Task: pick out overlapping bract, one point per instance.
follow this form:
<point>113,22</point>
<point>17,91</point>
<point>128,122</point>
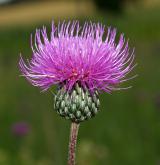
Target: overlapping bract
<point>87,55</point>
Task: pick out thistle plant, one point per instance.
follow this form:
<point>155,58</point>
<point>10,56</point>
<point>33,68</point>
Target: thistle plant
<point>82,61</point>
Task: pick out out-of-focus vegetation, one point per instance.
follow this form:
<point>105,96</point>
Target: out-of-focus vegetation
<point>115,5</point>
<point>125,132</point>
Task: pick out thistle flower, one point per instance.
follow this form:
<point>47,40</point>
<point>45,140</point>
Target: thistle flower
<point>78,54</point>
<point>20,129</point>
<point>81,61</point>
<point>86,56</point>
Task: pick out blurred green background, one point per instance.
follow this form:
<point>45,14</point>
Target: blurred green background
<point>127,129</point>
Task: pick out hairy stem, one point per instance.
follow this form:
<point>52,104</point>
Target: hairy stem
<point>72,143</point>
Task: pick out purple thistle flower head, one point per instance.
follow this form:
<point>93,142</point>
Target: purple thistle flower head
<point>20,129</point>
<point>87,55</point>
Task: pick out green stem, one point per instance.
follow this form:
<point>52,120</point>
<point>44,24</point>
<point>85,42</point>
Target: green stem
<point>72,143</point>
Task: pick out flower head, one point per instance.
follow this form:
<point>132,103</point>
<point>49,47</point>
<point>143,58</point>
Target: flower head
<point>87,55</point>
<point>20,128</point>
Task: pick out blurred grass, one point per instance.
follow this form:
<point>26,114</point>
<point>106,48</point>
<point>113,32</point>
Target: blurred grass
<point>126,131</point>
